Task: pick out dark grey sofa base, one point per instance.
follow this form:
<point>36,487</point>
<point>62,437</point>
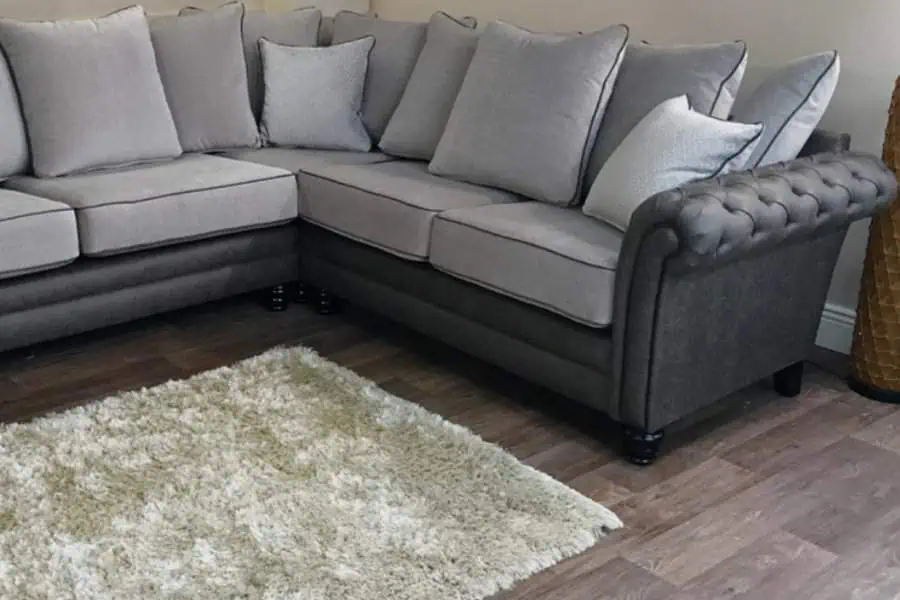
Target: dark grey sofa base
<point>535,344</point>
<point>94,293</point>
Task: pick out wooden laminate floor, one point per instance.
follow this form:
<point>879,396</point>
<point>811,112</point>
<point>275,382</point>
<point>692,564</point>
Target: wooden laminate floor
<point>774,498</point>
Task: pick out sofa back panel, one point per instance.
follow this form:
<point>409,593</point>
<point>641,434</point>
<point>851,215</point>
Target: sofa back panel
<point>14,153</point>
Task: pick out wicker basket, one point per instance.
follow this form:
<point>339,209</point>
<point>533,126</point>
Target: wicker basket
<point>875,358</point>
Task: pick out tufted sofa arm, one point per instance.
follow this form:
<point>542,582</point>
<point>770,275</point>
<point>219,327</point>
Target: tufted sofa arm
<point>721,219</point>
<point>722,282</point>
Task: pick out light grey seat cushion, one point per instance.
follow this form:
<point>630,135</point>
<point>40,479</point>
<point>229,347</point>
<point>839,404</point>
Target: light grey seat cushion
<point>397,47</point>
<point>528,111</point>
<point>191,198</point>
<point>387,205</point>
<point>549,256</point>
<point>418,123</point>
<point>790,103</point>
<point>35,234</point>
<point>201,61</point>
<point>296,160</point>
<point>59,68</point>
<point>295,28</point>
<point>671,146</point>
<point>15,157</point>
<point>710,75</point>
<point>314,96</point>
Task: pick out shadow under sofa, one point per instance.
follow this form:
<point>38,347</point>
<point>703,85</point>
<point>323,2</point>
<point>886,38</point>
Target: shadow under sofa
<point>715,286</point>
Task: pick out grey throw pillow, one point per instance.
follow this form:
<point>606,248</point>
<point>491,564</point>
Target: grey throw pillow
<point>314,95</point>
<point>59,67</point>
<point>397,47</point>
<point>528,111</point>
<point>201,62</point>
<point>669,147</point>
<point>295,28</point>
<point>710,75</point>
<point>14,154</point>
<point>419,121</point>
<point>790,103</point>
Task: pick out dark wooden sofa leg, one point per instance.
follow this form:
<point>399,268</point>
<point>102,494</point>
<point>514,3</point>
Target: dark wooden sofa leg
<point>327,303</point>
<point>641,447</point>
<point>789,381</point>
<point>303,293</point>
<point>277,298</point>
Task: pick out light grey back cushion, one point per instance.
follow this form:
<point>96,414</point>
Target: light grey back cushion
<point>15,157</point>
<point>201,62</point>
<point>528,111</point>
<point>710,75</point>
<point>314,95</point>
<point>669,147</point>
<point>790,103</point>
<point>60,68</point>
<point>419,121</point>
<point>397,47</point>
<point>295,28</point>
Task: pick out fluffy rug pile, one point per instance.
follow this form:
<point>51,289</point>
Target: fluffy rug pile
<point>282,477</point>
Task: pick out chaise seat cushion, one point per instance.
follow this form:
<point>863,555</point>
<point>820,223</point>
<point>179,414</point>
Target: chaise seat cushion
<point>190,198</point>
<point>35,234</point>
<point>296,160</point>
<point>389,205</point>
<point>549,256</point>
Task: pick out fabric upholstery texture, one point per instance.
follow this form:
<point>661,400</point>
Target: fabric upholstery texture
<point>535,326</point>
<point>201,61</point>
<point>720,219</point>
<point>124,304</point>
<point>15,157</point>
<point>549,256</point>
<point>710,75</point>
<point>154,205</point>
<point>58,68</point>
<point>790,103</point>
<point>298,160</point>
<point>293,28</point>
<point>671,146</point>
<point>114,273</point>
<point>421,117</point>
<point>397,47</point>
<point>528,109</point>
<point>388,205</point>
<point>35,234</point>
<point>314,96</point>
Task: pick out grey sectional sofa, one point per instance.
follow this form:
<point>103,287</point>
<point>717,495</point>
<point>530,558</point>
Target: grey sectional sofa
<point>714,285</point>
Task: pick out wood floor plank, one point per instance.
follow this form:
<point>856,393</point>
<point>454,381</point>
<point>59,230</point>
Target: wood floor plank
<point>764,570</point>
<point>884,433</point>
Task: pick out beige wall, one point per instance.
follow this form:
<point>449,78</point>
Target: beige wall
<point>864,31</point>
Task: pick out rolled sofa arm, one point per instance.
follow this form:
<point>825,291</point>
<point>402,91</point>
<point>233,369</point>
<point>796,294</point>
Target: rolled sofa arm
<point>770,237</point>
<point>720,219</point>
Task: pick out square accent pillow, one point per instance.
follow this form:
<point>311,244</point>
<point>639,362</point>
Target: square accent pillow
<point>710,75</point>
<point>397,47</point>
<point>528,111</point>
<point>671,146</point>
<point>419,121</point>
<point>201,62</point>
<point>59,67</point>
<point>314,96</point>
<point>790,103</point>
<point>293,28</point>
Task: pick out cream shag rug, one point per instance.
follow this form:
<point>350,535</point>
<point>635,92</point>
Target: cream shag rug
<point>283,477</point>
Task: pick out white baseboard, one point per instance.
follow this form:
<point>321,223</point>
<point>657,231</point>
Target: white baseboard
<point>836,329</point>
